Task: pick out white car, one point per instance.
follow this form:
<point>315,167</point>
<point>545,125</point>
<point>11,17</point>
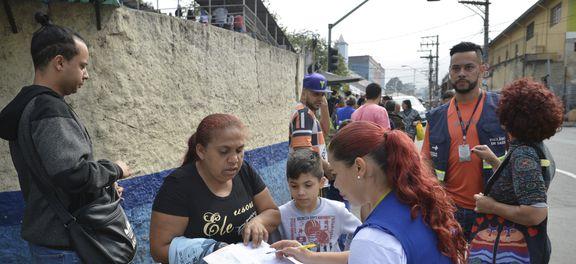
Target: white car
<point>416,105</point>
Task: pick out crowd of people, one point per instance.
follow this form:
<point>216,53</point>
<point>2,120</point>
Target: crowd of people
<point>476,192</point>
<point>219,17</point>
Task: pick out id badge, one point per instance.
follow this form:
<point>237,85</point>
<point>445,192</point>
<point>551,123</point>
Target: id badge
<point>464,153</point>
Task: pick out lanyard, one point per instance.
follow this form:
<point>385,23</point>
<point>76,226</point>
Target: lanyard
<point>465,128</point>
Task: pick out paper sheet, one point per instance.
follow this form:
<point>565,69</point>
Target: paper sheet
<point>241,254</point>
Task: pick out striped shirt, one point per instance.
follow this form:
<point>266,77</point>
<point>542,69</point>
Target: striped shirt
<point>305,131</point>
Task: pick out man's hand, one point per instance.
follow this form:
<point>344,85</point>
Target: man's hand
<point>126,172</point>
<point>119,189</point>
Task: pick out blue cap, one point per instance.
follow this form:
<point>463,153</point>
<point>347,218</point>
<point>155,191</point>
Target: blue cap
<point>316,82</point>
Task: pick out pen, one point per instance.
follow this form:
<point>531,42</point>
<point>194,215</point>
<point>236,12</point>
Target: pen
<point>309,246</point>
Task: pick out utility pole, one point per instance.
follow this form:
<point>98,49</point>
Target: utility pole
<point>330,26</point>
<point>427,42</point>
<point>430,73</point>
<point>486,5</point>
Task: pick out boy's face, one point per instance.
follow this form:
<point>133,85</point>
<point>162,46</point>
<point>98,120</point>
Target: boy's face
<point>305,189</point>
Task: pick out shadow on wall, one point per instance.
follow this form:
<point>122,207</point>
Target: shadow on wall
<point>269,161</point>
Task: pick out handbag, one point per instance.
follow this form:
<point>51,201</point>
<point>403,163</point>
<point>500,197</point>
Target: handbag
<point>497,240</point>
<point>419,131</point>
<point>99,231</point>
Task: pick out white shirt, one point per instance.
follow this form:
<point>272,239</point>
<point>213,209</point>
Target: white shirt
<point>323,226</point>
<point>374,246</point>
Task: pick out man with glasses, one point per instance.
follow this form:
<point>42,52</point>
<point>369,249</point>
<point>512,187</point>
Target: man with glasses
<point>453,129</point>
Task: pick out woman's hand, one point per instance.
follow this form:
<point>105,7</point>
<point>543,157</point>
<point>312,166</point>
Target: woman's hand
<point>291,248</point>
<point>485,153</point>
<point>255,231</point>
<point>484,204</point>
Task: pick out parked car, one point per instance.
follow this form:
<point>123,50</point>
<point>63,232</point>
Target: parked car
<point>416,105</point>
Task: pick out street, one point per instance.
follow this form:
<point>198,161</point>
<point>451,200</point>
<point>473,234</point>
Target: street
<point>562,197</point>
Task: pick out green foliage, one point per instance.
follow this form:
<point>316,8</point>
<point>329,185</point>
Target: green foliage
<point>311,41</point>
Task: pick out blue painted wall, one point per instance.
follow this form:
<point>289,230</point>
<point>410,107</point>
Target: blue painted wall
<point>139,192</point>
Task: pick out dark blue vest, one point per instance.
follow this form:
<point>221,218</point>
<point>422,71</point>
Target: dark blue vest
<point>418,240</point>
<point>489,133</point>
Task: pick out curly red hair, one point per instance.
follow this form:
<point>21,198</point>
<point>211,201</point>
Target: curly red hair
<point>406,173</point>
<point>530,111</point>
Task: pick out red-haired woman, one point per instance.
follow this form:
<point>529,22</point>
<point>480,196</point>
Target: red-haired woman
<point>413,218</point>
<point>513,206</point>
<point>213,199</point>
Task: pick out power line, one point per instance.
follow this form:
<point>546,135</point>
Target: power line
<point>412,33</point>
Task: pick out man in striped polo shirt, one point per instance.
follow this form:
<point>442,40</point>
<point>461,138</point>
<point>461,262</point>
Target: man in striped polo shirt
<point>306,131</point>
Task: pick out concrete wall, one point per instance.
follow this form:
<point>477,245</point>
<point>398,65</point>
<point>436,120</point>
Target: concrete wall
<point>152,79</point>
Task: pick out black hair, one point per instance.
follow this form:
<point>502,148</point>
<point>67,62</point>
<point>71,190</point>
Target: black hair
<point>390,106</point>
<point>351,101</point>
<point>386,97</point>
<point>302,161</point>
<point>408,103</point>
<point>373,91</point>
<point>465,47</point>
<point>51,40</point>
<point>448,94</point>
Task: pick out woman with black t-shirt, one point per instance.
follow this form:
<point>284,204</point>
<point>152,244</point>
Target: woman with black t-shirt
<point>214,194</point>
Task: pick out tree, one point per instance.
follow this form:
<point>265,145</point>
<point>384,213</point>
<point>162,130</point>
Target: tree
<point>309,41</point>
<point>394,85</point>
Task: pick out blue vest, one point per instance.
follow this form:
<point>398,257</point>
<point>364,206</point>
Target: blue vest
<point>418,240</point>
<point>489,133</point>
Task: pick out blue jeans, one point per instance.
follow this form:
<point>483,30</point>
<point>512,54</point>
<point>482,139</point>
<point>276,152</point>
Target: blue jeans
<point>466,218</point>
<point>44,255</point>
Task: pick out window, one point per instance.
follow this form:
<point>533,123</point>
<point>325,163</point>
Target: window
<point>555,14</point>
<point>530,31</point>
<point>506,54</point>
<point>516,50</point>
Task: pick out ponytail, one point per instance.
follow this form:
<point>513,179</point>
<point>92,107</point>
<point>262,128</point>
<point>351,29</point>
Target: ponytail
<point>191,155</point>
<point>407,174</point>
<point>52,40</point>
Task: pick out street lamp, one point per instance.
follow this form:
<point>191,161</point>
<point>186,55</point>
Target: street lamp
<point>330,26</point>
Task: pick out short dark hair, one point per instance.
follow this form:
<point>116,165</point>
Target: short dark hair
<point>304,160</point>
<point>408,103</point>
<point>448,94</point>
<point>351,101</point>
<point>390,106</point>
<point>529,111</point>
<point>51,40</point>
<point>386,97</point>
<point>465,47</point>
<point>373,91</point>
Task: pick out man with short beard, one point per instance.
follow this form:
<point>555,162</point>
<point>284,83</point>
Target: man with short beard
<point>454,128</point>
<point>306,131</point>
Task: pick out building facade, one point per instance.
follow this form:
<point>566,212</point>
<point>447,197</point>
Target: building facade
<point>368,68</point>
<point>540,44</point>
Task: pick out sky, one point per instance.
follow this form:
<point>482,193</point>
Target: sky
<point>390,30</point>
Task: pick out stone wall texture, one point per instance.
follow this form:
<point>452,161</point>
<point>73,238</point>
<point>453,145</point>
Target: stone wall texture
<point>152,79</point>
